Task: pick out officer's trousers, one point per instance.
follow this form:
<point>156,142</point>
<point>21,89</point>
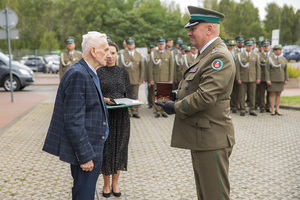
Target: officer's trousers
<point>249,88</point>
<point>211,170</point>
<point>262,88</point>
<point>135,89</point>
<point>234,96</point>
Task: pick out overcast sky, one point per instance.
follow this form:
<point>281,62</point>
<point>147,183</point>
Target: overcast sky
<point>260,4</point>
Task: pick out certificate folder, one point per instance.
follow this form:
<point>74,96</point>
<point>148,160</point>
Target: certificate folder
<point>124,103</point>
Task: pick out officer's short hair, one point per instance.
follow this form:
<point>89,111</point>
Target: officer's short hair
<point>91,39</point>
<point>169,39</point>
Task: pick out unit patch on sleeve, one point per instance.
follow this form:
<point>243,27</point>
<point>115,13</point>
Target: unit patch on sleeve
<point>217,64</point>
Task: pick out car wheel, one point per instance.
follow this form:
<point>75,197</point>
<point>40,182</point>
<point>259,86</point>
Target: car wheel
<point>15,82</point>
<point>21,88</point>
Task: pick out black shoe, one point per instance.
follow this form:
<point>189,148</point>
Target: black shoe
<point>116,194</point>
<point>157,116</point>
<point>242,114</point>
<point>277,113</point>
<point>106,195</point>
<point>255,107</point>
<point>233,111</point>
<point>273,114</point>
<point>164,115</point>
<point>253,114</point>
<point>136,116</point>
<point>149,107</point>
<point>269,110</point>
<point>262,111</point>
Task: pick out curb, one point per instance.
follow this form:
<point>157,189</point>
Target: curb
<point>289,107</point>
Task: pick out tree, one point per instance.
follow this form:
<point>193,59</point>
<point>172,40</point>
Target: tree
<point>287,25</point>
<point>271,21</point>
<point>49,41</point>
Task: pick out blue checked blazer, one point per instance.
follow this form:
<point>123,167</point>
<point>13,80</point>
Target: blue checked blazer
<point>77,130</point>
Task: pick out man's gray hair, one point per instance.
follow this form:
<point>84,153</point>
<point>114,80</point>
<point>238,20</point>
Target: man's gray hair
<point>91,39</point>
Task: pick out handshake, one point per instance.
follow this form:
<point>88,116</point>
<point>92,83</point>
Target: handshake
<point>168,106</point>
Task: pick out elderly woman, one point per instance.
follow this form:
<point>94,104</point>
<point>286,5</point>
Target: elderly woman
<point>277,76</point>
<point>115,83</point>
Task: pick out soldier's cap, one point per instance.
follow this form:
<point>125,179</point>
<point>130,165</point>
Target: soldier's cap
<point>161,40</point>
<point>69,40</point>
<point>248,42</point>
<point>200,15</point>
<point>108,37</point>
<point>183,46</point>
<point>240,38</point>
<point>231,42</point>
<point>151,45</point>
<point>253,39</point>
<point>130,40</point>
<point>258,43</point>
<point>223,40</point>
<point>188,48</point>
<point>192,47</point>
<point>265,43</point>
<point>278,46</point>
<point>179,40</point>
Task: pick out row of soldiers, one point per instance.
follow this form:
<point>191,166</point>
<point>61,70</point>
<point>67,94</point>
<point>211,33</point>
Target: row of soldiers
<point>163,63</point>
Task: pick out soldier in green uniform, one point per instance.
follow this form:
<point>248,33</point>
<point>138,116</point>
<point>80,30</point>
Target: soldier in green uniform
<point>70,57</point>
<point>187,50</point>
<point>240,44</point>
<point>276,77</point>
<point>202,114</point>
<point>177,51</point>
<point>254,48</point>
<point>191,57</point>
<point>169,45</point>
<point>132,61</point>
<point>150,93</point>
<point>257,95</point>
<point>247,75</point>
<point>180,64</point>
<point>161,69</point>
<point>264,105</point>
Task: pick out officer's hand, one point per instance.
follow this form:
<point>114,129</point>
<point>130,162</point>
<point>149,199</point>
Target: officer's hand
<point>239,82</point>
<point>168,106</point>
<point>269,83</point>
<point>285,82</point>
<point>152,82</point>
<point>258,81</point>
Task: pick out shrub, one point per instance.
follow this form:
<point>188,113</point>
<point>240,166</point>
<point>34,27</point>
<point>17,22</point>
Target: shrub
<point>293,71</point>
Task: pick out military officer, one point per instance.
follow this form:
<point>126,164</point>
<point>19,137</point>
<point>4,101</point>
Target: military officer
<point>180,64</point>
<point>259,46</point>
<point>132,60</point>
<point>188,50</point>
<point>254,48</point>
<point>276,76</point>
<point>169,45</point>
<point>177,51</point>
<point>191,57</point>
<point>247,75</point>
<point>161,69</point>
<point>70,57</point>
<point>240,44</point>
<point>257,95</point>
<point>150,93</point>
<point>202,121</point>
<point>262,87</point>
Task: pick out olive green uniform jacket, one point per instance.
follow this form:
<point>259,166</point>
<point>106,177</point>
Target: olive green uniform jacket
<point>262,61</point>
<point>136,69</point>
<point>66,61</point>
<point>202,120</point>
<point>180,66</point>
<point>163,72</point>
<point>247,68</point>
<point>276,70</point>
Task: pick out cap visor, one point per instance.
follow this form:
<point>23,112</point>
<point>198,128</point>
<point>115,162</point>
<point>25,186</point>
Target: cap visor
<point>191,24</point>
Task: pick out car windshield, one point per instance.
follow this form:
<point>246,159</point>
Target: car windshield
<point>33,58</point>
<point>50,58</point>
<point>296,51</point>
<point>4,57</point>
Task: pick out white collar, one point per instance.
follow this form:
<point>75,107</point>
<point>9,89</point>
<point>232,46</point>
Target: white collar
<point>267,53</point>
<point>160,51</point>
<point>90,66</point>
<point>131,52</point>
<point>248,53</point>
<point>71,53</point>
<point>207,44</point>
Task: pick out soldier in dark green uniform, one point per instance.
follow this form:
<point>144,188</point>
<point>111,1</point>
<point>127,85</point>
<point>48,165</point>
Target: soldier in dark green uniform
<point>150,96</point>
<point>240,44</point>
<point>257,95</point>
<point>202,121</point>
<point>177,51</point>
<point>132,61</point>
<point>180,64</point>
<point>247,75</point>
<point>70,57</point>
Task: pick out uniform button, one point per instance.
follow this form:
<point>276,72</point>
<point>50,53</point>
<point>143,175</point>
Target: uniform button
<point>103,137</point>
<point>104,123</point>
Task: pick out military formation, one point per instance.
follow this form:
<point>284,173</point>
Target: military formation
<point>164,63</point>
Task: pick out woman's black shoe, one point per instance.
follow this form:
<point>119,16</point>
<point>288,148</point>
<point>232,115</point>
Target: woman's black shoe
<point>106,195</point>
<point>116,194</point>
<point>276,113</point>
<point>273,114</point>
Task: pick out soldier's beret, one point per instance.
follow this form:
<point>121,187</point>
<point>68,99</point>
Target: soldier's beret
<point>188,48</point>
<point>258,43</point>
<point>248,42</point>
<point>151,45</point>
<point>69,40</point>
<point>108,37</point>
<point>179,40</point>
<point>278,46</point>
<point>183,46</point>
<point>231,42</point>
<point>161,40</point>
<point>192,47</point>
<point>130,40</point>
<point>199,15</point>
<point>266,43</point>
<point>240,38</point>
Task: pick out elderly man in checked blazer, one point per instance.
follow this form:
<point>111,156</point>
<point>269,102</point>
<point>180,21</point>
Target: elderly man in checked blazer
<point>79,125</point>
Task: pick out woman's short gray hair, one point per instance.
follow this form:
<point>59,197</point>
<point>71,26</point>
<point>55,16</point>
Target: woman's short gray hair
<point>91,39</point>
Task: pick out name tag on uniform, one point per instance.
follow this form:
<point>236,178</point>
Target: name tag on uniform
<point>193,70</point>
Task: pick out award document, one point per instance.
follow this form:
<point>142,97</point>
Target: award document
<point>123,103</point>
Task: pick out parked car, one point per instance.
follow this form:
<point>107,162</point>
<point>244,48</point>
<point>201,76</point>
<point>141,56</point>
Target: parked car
<point>22,75</point>
<point>37,64</point>
<point>294,55</point>
<point>23,59</point>
<point>52,63</point>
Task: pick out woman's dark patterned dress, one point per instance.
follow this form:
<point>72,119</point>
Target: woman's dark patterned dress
<point>115,83</point>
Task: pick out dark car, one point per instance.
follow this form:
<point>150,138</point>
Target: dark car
<point>22,75</point>
<point>294,55</point>
<point>37,64</point>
